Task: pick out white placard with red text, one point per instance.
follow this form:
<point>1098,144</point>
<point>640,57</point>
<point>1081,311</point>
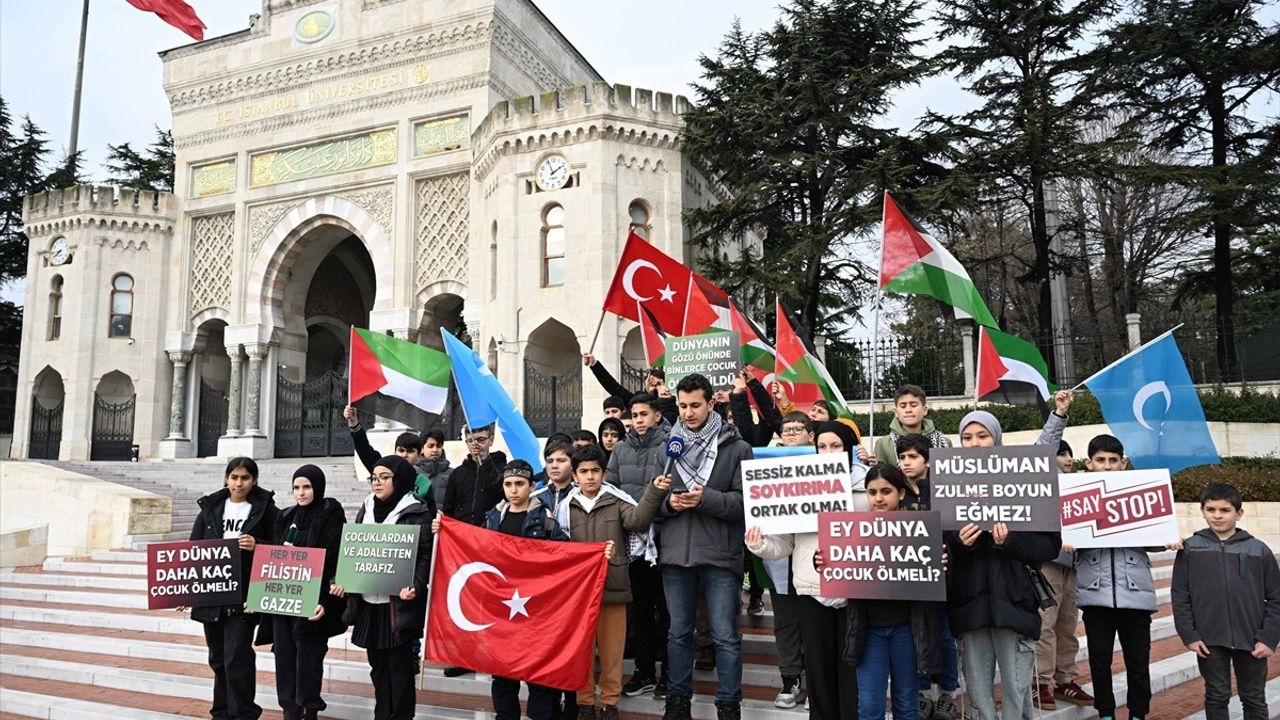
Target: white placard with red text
<point>1128,508</point>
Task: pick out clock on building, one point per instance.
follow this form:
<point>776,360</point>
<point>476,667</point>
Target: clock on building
<point>60,252</point>
<point>553,172</point>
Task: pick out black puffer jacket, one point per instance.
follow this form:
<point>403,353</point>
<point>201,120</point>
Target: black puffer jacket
<point>208,526</point>
<point>988,585</point>
<point>638,459</point>
<point>474,488</point>
<point>325,531</point>
<point>925,629</point>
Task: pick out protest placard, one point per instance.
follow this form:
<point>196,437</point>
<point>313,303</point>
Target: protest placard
<point>881,556</point>
<point>1017,486</point>
<point>377,559</point>
<point>785,494</point>
<point>714,354</point>
<point>1130,508</point>
<point>193,573</point>
<point>285,580</point>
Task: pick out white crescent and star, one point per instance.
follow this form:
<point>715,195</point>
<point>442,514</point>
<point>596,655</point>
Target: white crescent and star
<point>628,282</point>
<point>458,583</point>
<point>1145,393</point>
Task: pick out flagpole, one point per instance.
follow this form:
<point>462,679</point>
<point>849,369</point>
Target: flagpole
<point>1126,356</point>
<point>599,324</point>
<point>431,588</point>
<point>875,324</point>
<point>644,336</point>
<point>688,299</point>
<point>74,146</point>
<point>977,370</point>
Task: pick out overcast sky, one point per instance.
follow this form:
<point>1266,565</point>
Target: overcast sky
<point>123,99</point>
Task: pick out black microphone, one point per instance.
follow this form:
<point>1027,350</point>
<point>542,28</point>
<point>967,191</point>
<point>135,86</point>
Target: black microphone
<point>675,450</point>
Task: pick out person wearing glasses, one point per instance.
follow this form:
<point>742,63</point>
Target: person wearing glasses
<point>473,488</point>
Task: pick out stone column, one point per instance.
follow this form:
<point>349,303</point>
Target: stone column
<point>253,401</point>
<point>178,401</point>
<point>820,347</point>
<point>233,392</point>
<point>966,343</point>
<point>1133,321</point>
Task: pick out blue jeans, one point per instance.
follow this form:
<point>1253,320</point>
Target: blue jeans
<point>1015,655</point>
<point>949,679</point>
<point>888,658</point>
<point>722,588</point>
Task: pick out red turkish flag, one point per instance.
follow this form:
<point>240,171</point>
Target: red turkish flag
<point>518,608</point>
<point>175,12</point>
<point>665,288</point>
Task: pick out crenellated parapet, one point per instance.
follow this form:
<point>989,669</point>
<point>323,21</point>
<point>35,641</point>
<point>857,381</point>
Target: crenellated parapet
<point>573,114</point>
<point>100,206</point>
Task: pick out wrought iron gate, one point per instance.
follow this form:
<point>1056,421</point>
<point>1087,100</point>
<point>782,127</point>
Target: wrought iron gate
<point>552,403</point>
<point>112,429</point>
<point>46,431</point>
<point>309,420</point>
<point>212,423</point>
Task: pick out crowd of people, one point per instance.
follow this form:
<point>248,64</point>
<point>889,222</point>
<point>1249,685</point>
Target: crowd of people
<point>680,557</point>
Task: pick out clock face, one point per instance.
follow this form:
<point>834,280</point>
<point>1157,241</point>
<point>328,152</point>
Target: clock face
<point>60,252</point>
<point>553,173</point>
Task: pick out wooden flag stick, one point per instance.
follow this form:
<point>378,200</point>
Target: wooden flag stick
<point>596,336</point>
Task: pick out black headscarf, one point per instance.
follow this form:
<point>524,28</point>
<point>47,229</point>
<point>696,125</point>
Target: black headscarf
<point>303,515</point>
<point>404,477</point>
<point>845,433</point>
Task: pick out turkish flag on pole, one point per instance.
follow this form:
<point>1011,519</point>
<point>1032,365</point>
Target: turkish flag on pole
<point>518,608</point>
<point>175,12</point>
<point>665,288</point>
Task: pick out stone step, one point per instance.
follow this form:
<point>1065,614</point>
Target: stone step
<point>103,582</point>
<point>1236,711</point>
<point>138,556</point>
<point>90,567</point>
<point>37,705</point>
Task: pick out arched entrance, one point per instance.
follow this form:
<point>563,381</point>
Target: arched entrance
<point>331,287</point>
<point>215,383</point>
<point>444,310</point>
<point>113,406</point>
<point>553,379</point>
<point>47,396</point>
<point>632,366</point>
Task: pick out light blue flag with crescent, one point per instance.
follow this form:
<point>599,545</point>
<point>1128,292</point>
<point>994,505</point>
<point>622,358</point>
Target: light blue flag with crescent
<point>777,451</point>
<point>1150,403</point>
<point>484,401</point>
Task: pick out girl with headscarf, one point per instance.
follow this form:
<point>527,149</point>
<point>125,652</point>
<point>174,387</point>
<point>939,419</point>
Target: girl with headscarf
<point>991,600</point>
<point>246,513</point>
<point>832,682</point>
<point>386,625</point>
<point>300,644</point>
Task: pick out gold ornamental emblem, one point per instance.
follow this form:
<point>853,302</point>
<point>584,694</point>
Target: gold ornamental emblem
<point>313,27</point>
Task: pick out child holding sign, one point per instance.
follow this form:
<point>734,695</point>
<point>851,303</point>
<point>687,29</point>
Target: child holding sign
<point>994,612</point>
<point>890,639</point>
<point>387,625</point>
<point>301,644</point>
<point>240,510</point>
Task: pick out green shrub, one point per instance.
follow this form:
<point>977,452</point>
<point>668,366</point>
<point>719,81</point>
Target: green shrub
<point>1257,478</point>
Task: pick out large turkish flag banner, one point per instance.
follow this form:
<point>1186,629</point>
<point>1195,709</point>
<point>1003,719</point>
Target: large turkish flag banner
<point>518,608</point>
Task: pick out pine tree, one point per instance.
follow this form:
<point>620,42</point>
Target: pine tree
<point>1023,59</point>
<point>1190,71</point>
<point>788,125</point>
<point>22,158</point>
<point>151,169</point>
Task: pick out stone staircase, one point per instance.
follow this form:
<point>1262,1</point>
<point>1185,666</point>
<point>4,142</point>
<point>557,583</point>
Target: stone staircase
<point>185,482</point>
<point>77,642</point>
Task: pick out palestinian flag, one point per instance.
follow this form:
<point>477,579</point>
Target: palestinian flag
<point>914,263</point>
<point>755,350</point>
<point>396,379</point>
<point>653,339</point>
<point>800,370</point>
<point>1011,369</point>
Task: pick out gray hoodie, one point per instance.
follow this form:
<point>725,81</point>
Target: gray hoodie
<point>711,533</point>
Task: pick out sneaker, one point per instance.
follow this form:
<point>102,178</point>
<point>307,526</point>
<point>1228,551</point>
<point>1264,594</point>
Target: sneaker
<point>588,713</point>
<point>639,684</point>
<point>1073,694</point>
<point>677,708</point>
<point>925,705</point>
<point>728,711</point>
<point>756,606</point>
<point>455,671</point>
<point>944,708</point>
<point>660,688</point>
<point>1043,698</point>
<point>791,694</point>
<point>608,712</point>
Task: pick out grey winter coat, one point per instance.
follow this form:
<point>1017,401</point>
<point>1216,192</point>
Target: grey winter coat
<point>1117,578</point>
<point>638,459</point>
<point>711,533</point>
<point>1226,592</point>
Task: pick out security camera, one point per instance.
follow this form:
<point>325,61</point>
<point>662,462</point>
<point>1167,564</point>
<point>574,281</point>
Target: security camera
<point>130,341</point>
<point>500,342</point>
